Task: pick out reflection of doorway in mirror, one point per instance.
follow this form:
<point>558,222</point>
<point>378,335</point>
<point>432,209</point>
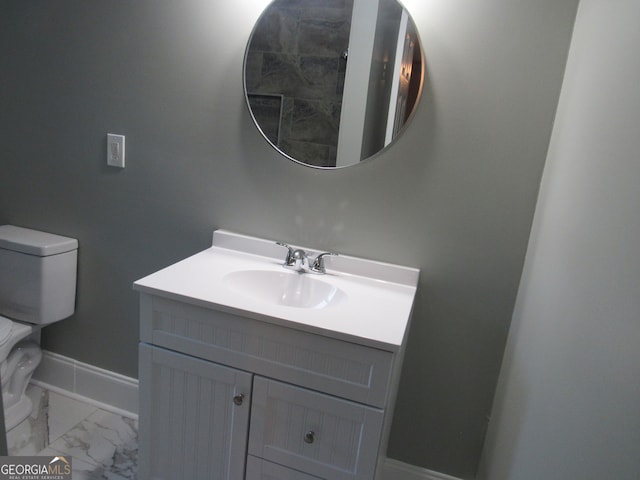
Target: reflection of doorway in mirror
<point>403,96</point>
<point>372,117</point>
<point>354,123</point>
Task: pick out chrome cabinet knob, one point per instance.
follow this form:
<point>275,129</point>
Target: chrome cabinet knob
<point>310,436</point>
<point>238,399</point>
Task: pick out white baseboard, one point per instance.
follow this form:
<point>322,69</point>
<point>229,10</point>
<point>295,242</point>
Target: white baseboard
<point>103,388</point>
<point>395,470</point>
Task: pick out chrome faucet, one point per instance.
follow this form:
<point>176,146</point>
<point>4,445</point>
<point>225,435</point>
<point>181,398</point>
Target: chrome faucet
<point>298,260</point>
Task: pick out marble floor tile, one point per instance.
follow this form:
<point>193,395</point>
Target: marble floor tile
<point>65,413</point>
<point>103,445</point>
<point>105,440</point>
<point>87,471</point>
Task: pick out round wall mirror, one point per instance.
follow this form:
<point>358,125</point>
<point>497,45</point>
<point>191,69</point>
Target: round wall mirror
<point>330,83</point>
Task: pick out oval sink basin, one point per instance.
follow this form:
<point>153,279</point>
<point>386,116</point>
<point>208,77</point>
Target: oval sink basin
<point>286,288</point>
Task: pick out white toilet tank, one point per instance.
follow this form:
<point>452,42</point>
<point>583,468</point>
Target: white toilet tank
<point>37,275</point>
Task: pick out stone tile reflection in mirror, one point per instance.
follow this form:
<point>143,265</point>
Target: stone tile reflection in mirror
<point>267,110</point>
<point>296,50</point>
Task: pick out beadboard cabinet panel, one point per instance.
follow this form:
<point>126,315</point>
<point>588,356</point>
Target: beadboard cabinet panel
<point>196,416</point>
<point>352,371</point>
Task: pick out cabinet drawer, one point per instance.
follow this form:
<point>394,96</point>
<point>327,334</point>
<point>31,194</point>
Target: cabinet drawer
<point>314,433</point>
<point>259,469</point>
<point>338,367</point>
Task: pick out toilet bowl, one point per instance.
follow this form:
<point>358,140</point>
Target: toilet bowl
<point>16,367</point>
<point>37,287</point>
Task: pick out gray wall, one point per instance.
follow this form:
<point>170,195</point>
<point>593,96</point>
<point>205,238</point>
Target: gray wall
<point>455,196</point>
<point>568,402</point>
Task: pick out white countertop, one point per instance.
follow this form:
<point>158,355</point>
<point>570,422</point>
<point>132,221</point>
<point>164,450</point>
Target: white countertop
<point>375,310</point>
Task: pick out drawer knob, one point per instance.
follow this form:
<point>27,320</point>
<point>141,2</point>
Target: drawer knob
<point>238,399</point>
<point>310,436</point>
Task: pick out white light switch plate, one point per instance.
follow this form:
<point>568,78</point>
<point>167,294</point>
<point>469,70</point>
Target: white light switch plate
<point>115,150</point>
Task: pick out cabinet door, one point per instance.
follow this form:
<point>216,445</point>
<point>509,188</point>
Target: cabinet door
<point>194,417</point>
<point>311,432</point>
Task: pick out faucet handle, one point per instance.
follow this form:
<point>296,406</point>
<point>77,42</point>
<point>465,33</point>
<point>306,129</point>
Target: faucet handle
<point>318,263</point>
<point>289,258</point>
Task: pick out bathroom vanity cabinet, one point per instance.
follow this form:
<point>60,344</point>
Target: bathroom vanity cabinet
<point>251,371</point>
<point>229,397</point>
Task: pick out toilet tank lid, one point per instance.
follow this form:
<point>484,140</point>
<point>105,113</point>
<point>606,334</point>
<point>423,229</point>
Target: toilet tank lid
<point>34,242</point>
